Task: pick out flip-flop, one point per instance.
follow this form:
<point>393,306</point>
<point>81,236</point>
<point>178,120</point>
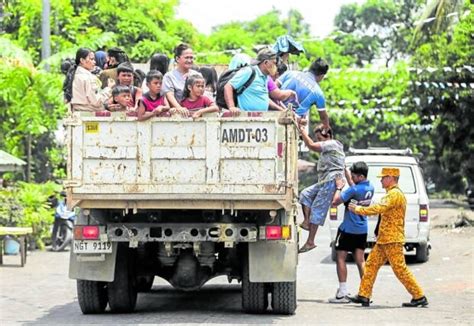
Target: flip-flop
<point>306,248</point>
<point>304,227</point>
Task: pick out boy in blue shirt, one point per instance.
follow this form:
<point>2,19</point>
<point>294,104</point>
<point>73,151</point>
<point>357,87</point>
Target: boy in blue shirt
<point>308,92</point>
<point>352,233</point>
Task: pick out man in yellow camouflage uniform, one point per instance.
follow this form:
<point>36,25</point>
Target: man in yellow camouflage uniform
<point>390,240</point>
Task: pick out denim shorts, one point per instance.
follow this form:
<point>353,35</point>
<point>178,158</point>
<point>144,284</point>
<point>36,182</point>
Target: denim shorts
<point>319,198</point>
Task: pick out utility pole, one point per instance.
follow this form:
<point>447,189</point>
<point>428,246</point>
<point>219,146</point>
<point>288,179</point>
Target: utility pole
<point>289,22</point>
<point>45,32</point>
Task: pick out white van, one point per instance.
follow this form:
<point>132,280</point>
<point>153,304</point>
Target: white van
<point>417,222</point>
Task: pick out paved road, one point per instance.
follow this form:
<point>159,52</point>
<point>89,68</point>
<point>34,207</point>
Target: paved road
<point>41,292</point>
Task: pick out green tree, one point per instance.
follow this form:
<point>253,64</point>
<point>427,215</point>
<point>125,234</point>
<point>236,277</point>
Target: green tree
<point>448,109</point>
<point>26,204</point>
<point>376,29</point>
<point>30,106</point>
<point>140,27</point>
<point>230,36</point>
<point>263,30</point>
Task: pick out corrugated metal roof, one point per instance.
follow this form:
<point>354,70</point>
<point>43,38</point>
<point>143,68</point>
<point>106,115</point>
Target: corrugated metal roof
<point>10,163</point>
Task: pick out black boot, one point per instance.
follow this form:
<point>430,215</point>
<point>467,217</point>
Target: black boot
<point>360,299</point>
<point>421,302</point>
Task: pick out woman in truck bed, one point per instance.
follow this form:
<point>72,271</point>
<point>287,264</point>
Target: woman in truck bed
<point>86,92</point>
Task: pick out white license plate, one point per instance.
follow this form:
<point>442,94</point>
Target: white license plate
<point>92,247</point>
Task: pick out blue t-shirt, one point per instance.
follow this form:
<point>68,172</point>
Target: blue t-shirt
<point>255,97</point>
<point>306,88</point>
<point>354,223</point>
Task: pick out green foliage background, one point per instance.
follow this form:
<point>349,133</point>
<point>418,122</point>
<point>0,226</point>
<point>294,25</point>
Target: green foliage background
<point>26,205</point>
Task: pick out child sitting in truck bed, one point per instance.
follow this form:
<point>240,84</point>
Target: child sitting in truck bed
<point>152,104</point>
<point>194,99</point>
<point>125,76</point>
<point>121,96</point>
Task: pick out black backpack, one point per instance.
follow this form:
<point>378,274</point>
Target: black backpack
<point>224,79</point>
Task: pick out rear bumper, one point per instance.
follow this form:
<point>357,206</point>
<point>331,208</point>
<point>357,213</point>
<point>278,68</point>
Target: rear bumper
<point>182,232</point>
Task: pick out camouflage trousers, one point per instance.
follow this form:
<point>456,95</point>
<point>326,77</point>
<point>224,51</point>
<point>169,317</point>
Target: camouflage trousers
<point>393,252</point>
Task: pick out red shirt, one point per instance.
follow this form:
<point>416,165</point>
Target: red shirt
<point>151,104</point>
<point>201,102</point>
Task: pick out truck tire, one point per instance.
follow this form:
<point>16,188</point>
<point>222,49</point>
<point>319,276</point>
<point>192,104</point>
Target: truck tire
<point>254,295</point>
<point>422,253</point>
<point>122,292</point>
<point>284,298</point>
<point>92,296</point>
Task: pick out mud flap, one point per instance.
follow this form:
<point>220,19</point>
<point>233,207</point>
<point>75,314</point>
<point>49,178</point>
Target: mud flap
<point>84,267</point>
<point>273,261</point>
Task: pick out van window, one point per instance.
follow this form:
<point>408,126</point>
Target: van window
<point>406,180</point>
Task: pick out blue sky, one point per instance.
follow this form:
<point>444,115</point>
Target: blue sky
<point>204,14</point>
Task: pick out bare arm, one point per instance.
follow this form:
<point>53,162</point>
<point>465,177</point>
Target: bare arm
<point>138,96</point>
<point>348,177</point>
<point>172,100</point>
<point>200,112</point>
<point>229,99</point>
<point>314,146</point>
<point>167,104</point>
<point>282,95</point>
<point>174,104</point>
<point>142,115</point>
<point>337,200</point>
<point>323,116</point>
<point>273,106</point>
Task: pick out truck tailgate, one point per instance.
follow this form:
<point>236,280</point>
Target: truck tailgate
<point>174,158</point>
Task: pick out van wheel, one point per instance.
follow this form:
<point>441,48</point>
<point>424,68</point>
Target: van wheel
<point>122,292</point>
<point>92,296</point>
<point>284,298</point>
<point>254,295</point>
<point>422,253</point>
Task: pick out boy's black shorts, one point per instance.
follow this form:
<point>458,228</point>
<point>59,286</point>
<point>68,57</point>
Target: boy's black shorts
<point>349,241</point>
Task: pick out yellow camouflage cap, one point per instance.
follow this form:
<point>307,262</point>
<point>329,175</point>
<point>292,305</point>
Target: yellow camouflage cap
<point>389,172</point>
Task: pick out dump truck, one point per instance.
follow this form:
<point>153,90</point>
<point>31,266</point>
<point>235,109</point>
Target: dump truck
<point>186,200</point>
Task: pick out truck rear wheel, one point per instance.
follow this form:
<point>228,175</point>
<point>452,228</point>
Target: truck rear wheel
<point>284,298</point>
<point>92,296</point>
<point>122,292</point>
<point>254,295</point>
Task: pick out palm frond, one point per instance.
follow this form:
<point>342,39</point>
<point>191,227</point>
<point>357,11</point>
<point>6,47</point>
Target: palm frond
<point>434,17</point>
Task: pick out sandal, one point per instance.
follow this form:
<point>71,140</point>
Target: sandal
<point>306,248</point>
<point>304,226</point>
